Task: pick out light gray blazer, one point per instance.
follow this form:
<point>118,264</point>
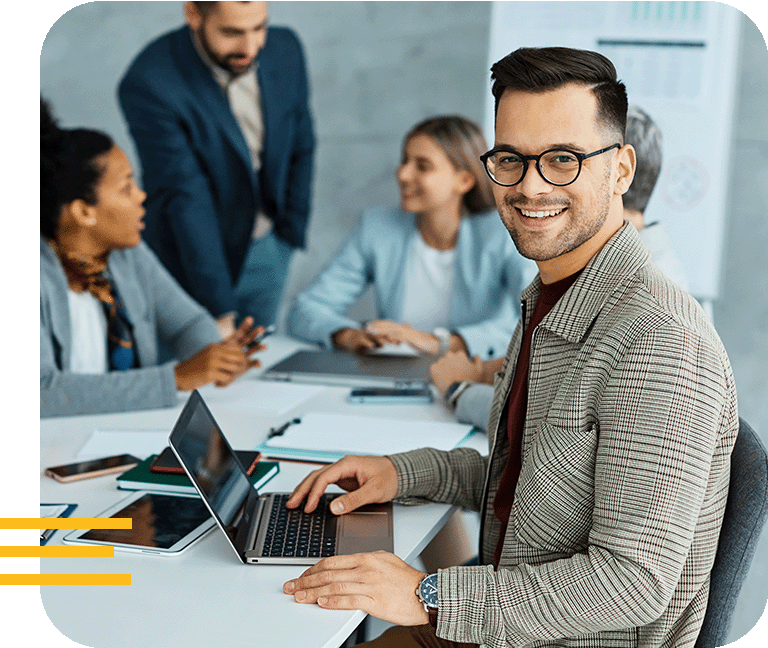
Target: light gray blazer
<point>630,423</point>
<point>159,310</point>
<point>490,274</point>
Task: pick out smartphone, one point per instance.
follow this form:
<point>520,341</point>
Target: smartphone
<point>167,463</point>
<point>373,395</point>
<point>268,330</point>
<point>92,468</point>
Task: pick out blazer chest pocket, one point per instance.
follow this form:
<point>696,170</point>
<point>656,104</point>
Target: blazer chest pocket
<point>555,494</point>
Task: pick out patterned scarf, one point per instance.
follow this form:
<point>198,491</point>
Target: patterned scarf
<point>88,274</point>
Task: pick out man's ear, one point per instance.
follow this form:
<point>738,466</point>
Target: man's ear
<point>193,16</point>
<point>627,163</point>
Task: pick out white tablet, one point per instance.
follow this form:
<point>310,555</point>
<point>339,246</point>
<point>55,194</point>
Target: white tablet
<point>163,524</point>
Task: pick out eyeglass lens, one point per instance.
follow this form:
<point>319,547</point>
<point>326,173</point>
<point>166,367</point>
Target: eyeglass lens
<point>557,167</point>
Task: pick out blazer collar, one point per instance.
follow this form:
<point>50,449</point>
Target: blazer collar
<point>620,258</point>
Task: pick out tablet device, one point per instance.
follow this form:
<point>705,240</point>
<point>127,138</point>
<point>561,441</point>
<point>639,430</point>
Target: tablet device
<point>163,524</point>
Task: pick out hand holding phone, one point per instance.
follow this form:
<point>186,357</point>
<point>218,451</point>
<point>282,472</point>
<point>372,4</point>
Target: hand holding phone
<point>92,468</point>
<point>268,330</point>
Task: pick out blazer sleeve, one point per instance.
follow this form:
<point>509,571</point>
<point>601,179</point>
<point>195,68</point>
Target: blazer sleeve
<point>660,441</point>
<point>449,477</point>
<point>178,189</point>
<point>175,319</point>
<point>474,405</point>
<point>63,393</point>
<point>320,310</point>
<point>490,337</point>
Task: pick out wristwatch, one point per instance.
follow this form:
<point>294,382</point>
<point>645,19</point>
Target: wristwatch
<point>429,597</point>
<point>455,390</point>
<point>443,336</point>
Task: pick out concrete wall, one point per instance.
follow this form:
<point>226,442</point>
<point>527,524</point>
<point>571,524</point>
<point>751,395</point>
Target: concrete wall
<point>377,68</point>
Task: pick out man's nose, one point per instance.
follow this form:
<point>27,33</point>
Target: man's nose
<point>533,184</point>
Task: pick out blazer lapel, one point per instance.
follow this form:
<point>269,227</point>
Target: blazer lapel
<point>52,274</point>
<point>212,98</point>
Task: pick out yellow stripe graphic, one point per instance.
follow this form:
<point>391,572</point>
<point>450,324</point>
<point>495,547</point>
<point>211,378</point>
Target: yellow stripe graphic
<point>66,523</point>
<point>56,552</point>
<point>65,579</point>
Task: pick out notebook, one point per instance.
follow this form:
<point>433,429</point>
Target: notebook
<point>142,478</point>
<point>258,527</point>
<point>341,368</point>
<point>326,437</point>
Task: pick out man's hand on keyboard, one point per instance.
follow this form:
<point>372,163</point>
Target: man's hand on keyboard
<point>368,480</point>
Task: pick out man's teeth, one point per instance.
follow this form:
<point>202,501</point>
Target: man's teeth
<point>539,214</point>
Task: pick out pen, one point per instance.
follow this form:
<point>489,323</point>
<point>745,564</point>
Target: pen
<point>46,534</point>
<point>273,432</point>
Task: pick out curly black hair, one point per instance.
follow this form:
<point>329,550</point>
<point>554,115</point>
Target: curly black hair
<point>70,168</point>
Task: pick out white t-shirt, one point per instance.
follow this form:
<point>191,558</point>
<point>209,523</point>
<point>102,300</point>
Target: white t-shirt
<point>428,286</point>
<point>89,334</point>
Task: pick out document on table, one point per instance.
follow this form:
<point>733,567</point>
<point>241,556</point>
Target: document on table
<point>107,443</point>
<point>260,396</point>
<point>324,436</point>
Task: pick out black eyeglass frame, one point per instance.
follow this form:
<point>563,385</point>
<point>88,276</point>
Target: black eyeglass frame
<point>526,158</point>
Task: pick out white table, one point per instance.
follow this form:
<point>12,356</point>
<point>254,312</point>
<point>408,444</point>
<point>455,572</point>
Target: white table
<point>206,596</point>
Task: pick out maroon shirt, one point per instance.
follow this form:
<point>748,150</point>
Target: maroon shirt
<point>517,404</point>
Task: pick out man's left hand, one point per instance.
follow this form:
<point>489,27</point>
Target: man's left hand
<point>377,583</point>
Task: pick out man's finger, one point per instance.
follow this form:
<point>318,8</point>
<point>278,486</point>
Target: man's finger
<point>366,494</point>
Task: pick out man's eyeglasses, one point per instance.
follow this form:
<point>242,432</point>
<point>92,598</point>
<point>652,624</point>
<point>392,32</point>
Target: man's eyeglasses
<point>558,167</point>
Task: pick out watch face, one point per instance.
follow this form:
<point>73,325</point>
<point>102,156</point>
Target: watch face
<point>428,590</point>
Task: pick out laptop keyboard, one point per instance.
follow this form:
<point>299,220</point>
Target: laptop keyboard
<point>293,533</point>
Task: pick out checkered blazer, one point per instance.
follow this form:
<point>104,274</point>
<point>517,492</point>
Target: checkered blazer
<point>630,423</point>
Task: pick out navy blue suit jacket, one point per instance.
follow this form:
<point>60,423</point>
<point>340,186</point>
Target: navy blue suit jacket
<point>202,193</point>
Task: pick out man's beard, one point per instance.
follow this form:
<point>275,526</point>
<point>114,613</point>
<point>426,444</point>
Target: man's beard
<point>224,62</point>
<point>578,230</point>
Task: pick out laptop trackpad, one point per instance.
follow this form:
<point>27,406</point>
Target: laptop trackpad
<point>362,532</point>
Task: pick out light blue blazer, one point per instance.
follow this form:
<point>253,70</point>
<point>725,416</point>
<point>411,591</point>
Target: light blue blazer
<point>158,309</point>
<point>490,275</point>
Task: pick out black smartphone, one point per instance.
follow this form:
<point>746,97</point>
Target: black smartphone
<point>373,395</point>
<point>92,468</point>
<point>167,463</point>
<point>268,330</point>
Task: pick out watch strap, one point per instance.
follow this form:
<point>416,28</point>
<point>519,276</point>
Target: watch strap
<point>432,612</point>
<point>454,391</point>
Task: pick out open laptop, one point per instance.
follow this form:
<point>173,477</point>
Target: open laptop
<point>341,368</point>
<point>258,526</point>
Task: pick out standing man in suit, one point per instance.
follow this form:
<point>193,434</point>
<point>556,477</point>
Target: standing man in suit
<point>219,113</point>
<point>612,424</point>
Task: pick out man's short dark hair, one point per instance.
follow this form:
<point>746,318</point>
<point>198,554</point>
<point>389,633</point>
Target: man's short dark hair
<point>644,135</point>
<point>540,69</point>
<point>204,7</point>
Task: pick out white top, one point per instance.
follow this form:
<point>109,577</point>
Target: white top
<point>428,286</point>
<point>89,334</point>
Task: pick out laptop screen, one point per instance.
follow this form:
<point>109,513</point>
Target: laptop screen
<point>205,453</point>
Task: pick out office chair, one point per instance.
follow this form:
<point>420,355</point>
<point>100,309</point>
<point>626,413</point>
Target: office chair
<point>745,514</point>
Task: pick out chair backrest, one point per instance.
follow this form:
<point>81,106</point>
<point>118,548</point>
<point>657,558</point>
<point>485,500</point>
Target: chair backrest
<point>745,514</point>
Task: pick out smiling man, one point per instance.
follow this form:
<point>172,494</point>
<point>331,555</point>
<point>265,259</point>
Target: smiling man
<point>219,113</point>
<point>612,421</point>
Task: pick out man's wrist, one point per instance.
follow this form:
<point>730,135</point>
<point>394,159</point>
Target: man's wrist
<point>427,593</point>
<point>454,391</point>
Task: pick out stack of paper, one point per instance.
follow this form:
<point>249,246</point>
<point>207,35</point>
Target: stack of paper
<point>320,436</point>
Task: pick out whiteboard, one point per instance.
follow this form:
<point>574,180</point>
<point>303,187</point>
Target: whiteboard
<point>678,61</point>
